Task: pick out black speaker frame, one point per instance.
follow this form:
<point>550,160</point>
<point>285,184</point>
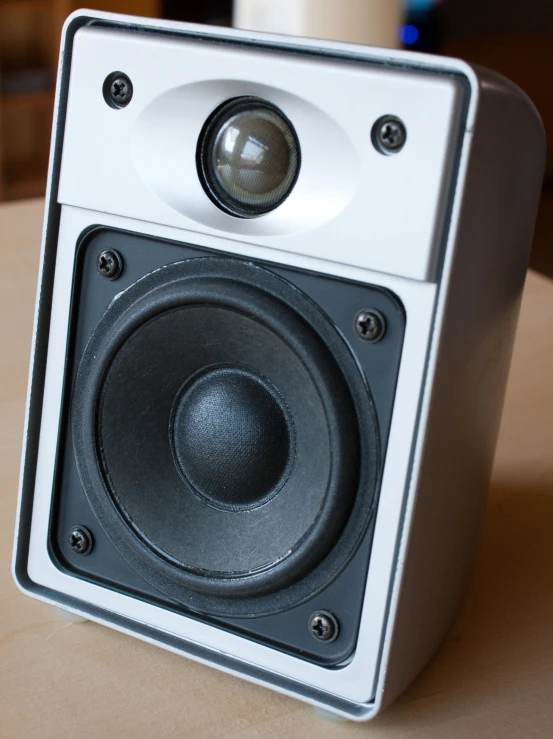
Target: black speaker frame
<point>340,299</point>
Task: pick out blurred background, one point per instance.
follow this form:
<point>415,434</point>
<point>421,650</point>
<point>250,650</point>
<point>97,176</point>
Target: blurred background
<point>514,38</point>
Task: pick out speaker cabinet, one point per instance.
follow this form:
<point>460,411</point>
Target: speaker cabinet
<point>279,288</point>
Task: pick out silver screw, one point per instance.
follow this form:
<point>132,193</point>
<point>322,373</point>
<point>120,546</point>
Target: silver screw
<point>389,134</point>
<point>370,325</point>
<point>324,626</point>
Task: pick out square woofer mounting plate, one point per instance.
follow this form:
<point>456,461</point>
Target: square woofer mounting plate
<point>340,300</point>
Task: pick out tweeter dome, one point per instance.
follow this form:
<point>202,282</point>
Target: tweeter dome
<point>248,156</point>
<point>271,347</point>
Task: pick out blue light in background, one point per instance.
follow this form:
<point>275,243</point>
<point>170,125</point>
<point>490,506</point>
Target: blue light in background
<point>409,34</point>
<point>419,6</point>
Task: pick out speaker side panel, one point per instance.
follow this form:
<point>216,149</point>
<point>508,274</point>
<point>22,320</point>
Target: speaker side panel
<point>477,313</point>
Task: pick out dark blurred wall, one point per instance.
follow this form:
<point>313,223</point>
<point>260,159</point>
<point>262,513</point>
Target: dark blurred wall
<point>493,17</point>
<point>216,12</point>
<point>516,39</point>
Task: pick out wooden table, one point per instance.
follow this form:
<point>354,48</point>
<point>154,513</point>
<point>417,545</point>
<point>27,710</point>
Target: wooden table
<point>493,676</point>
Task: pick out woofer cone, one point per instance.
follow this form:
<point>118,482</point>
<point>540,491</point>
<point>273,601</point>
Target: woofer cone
<point>218,344</point>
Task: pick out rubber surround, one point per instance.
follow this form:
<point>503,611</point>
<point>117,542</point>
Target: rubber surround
<point>280,306</point>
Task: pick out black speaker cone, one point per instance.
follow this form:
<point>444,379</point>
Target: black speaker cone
<point>232,437</point>
<point>224,437</point>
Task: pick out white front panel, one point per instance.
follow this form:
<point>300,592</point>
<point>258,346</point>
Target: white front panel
<point>351,204</point>
<point>355,681</point>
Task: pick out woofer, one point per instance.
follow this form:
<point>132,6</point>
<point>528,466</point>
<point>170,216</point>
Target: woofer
<point>225,437</point>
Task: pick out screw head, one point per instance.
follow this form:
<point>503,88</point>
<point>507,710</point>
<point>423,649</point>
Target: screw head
<point>370,325</point>
<point>80,540</point>
<point>324,626</point>
<point>118,90</point>
<point>110,264</point>
<point>389,134</point>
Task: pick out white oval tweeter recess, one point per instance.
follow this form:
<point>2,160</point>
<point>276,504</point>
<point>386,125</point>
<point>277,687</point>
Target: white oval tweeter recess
<point>164,145</point>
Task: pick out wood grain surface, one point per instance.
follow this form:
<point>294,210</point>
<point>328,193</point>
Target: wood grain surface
<point>491,678</point>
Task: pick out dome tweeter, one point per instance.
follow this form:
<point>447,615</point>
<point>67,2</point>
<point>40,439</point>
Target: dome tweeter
<point>248,157</point>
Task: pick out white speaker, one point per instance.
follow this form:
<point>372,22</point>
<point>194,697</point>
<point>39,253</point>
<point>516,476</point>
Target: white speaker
<point>279,286</point>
